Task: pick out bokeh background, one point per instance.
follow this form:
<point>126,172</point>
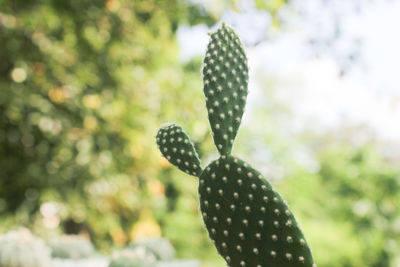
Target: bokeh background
<point>85,84</point>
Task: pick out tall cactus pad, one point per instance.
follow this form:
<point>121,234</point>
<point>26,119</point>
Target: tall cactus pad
<point>177,148</point>
<point>225,76</point>
<point>248,221</point>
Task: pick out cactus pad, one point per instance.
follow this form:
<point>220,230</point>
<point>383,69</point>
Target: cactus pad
<point>248,221</point>
<point>225,77</point>
<point>177,148</point>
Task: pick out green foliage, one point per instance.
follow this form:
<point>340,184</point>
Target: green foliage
<point>248,221</point>
<point>71,247</point>
<point>74,84</point>
<point>21,249</point>
<point>272,6</point>
<point>368,186</point>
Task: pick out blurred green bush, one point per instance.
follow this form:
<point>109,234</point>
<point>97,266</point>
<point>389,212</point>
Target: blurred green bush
<point>71,247</point>
<point>80,103</point>
<point>19,248</point>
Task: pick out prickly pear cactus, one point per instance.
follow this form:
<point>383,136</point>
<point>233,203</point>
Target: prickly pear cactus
<point>249,222</point>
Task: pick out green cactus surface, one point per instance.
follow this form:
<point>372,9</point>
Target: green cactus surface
<point>248,221</point>
<point>177,148</point>
<point>225,76</point>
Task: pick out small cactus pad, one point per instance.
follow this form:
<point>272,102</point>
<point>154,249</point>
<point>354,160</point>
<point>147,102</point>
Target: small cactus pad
<point>225,76</point>
<point>177,148</point>
<point>248,221</point>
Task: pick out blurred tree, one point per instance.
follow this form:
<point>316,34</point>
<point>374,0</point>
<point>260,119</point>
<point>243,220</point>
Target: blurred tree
<point>366,187</point>
<point>349,207</point>
<point>80,102</point>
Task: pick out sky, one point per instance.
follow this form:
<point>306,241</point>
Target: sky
<point>331,63</point>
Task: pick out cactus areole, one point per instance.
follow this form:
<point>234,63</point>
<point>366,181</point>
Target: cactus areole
<point>249,222</point>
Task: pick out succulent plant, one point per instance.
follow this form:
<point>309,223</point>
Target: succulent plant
<point>248,221</point>
<point>20,248</point>
<point>128,262</point>
<point>160,247</point>
<point>71,247</point>
<point>179,263</point>
<point>133,257</point>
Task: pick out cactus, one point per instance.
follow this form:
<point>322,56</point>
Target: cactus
<point>71,247</point>
<point>21,249</point>
<point>248,221</point>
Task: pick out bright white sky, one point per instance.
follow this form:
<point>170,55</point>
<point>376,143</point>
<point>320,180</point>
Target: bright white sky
<point>311,86</point>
